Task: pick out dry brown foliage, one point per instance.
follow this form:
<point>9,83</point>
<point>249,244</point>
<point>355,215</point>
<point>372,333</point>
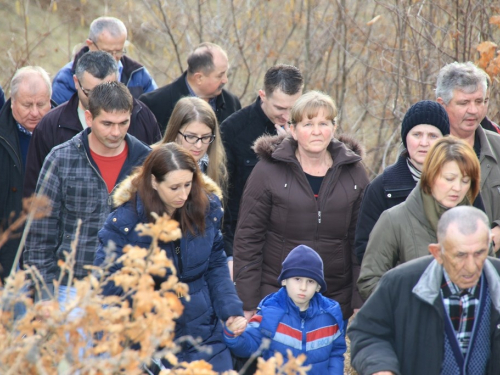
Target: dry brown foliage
<point>96,334</point>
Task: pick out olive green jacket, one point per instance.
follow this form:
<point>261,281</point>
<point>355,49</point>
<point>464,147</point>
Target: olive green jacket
<point>490,173</point>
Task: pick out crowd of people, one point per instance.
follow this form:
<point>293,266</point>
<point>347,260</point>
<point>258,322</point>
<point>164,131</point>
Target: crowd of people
<point>283,235</point>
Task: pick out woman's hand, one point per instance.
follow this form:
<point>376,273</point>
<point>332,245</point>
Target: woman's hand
<point>236,324</point>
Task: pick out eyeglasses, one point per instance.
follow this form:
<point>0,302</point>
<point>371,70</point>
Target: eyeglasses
<point>118,54</point>
<point>206,139</point>
<point>85,91</point>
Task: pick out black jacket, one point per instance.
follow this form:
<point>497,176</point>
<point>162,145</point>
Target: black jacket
<point>11,186</point>
<point>163,100</point>
<point>387,190</point>
<point>62,123</point>
<point>239,132</point>
<point>400,328</point>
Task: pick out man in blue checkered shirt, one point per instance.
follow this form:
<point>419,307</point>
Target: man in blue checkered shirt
<point>438,314</point>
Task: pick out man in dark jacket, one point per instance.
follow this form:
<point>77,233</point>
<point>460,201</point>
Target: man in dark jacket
<point>68,119</point>
<point>205,78</point>
<point>29,102</point>
<point>439,314</point>
<point>282,87</point>
<point>106,34</point>
<point>78,177</point>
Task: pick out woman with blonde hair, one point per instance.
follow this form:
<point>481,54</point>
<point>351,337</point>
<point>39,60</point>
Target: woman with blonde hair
<point>451,177</point>
<point>306,189</point>
<point>194,126</point>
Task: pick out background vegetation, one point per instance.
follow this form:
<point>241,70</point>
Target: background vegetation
<point>374,57</point>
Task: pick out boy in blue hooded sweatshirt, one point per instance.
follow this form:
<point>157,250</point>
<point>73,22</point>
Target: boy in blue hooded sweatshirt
<point>296,317</point>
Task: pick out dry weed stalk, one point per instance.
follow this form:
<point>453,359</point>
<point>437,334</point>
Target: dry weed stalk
<point>96,334</point>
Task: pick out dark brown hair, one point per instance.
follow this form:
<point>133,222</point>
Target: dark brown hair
<point>162,160</point>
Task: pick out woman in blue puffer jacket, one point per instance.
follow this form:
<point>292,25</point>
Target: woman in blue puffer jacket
<point>170,182</point>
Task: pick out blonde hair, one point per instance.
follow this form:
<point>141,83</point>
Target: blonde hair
<point>446,149</point>
<point>190,109</point>
<point>309,105</point>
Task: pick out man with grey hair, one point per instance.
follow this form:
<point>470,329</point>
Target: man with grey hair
<point>67,120</point>
<point>29,102</point>
<point>205,78</point>
<point>106,34</point>
<point>461,89</point>
<point>438,314</point>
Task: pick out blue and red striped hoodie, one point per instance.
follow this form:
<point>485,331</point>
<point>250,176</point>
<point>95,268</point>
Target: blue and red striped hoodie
<point>318,332</point>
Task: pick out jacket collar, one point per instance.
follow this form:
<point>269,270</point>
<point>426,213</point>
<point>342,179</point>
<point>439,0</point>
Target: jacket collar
<point>183,89</point>
<point>415,205</point>
<point>268,126</point>
<point>428,287</point>
<point>69,114</point>
<point>398,176</point>
<point>486,150</point>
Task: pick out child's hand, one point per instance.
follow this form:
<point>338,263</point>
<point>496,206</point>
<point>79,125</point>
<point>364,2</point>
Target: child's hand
<point>236,324</point>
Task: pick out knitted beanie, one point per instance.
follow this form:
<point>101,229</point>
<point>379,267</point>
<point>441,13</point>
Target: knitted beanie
<point>303,262</point>
<point>425,112</point>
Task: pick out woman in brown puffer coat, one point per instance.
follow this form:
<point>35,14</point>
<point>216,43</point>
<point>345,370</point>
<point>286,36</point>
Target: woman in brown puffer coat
<point>306,189</point>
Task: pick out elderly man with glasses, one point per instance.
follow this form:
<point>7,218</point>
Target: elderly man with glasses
<point>106,34</point>
<point>68,119</point>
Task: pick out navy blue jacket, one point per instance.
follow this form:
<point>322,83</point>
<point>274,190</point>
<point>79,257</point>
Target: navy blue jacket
<point>201,264</point>
<point>319,335</point>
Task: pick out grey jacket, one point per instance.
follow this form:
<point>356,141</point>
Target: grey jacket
<point>72,182</point>
<point>401,234</point>
<point>490,173</point>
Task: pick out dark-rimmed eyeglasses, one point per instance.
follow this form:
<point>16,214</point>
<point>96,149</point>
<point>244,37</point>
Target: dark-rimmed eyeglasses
<point>85,91</point>
<point>118,54</point>
<point>206,139</point>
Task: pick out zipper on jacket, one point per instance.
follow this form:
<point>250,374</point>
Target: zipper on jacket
<point>319,217</point>
<point>177,251</point>
<point>14,151</point>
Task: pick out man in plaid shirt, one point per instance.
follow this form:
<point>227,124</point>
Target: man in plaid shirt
<point>438,314</point>
<point>78,177</point>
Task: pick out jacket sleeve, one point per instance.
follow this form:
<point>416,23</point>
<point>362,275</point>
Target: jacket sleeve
<point>371,333</point>
<point>40,145</point>
<point>222,292</point>
<point>361,182</point>
<point>371,209</point>
<point>148,83</point>
<point>63,86</point>
<point>336,362</point>
<point>44,234</point>
<point>253,220</point>
<point>381,254</point>
<point>248,342</point>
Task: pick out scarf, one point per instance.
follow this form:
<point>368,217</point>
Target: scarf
<point>433,209</point>
<point>415,173</point>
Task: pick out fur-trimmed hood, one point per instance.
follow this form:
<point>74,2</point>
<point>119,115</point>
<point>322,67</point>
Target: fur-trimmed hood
<point>265,145</point>
<point>125,191</point>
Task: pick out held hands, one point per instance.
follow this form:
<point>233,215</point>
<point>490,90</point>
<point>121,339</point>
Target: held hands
<point>236,324</point>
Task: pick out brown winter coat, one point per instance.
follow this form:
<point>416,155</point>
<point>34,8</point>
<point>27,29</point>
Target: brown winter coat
<point>278,212</point>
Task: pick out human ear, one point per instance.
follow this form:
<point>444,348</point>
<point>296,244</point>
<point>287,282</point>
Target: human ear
<point>283,282</point>
<point>88,118</point>
<point>435,250</point>
<point>318,288</point>
<point>154,183</point>
<point>440,101</point>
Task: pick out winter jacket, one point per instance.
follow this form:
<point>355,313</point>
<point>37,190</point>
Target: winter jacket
<point>400,328</point>
<point>239,132</point>
<point>135,76</point>
<point>72,182</point>
<point>387,190</point>
<point>487,124</point>
<point>320,335</point>
<point>2,97</point>
<point>279,212</point>
<point>401,234</point>
<point>11,186</point>
<point>201,264</point>
<point>163,100</point>
<point>62,123</point>
<point>490,173</point>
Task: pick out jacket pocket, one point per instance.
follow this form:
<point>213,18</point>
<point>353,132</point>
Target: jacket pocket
<point>81,195</point>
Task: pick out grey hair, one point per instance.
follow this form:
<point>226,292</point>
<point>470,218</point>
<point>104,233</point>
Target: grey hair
<point>24,73</point>
<point>202,58</point>
<point>99,64</point>
<point>465,77</point>
<point>466,219</point>
<point>112,25</point>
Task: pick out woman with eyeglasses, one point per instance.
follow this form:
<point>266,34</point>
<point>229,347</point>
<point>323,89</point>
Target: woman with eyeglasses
<point>194,126</point>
